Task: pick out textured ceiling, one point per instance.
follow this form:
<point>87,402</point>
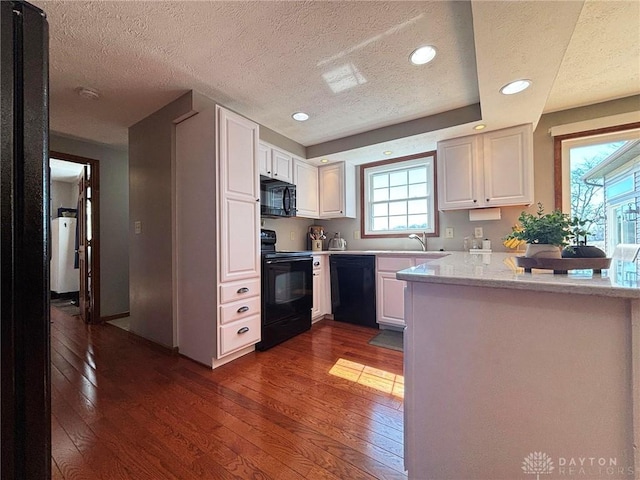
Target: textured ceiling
<point>344,63</point>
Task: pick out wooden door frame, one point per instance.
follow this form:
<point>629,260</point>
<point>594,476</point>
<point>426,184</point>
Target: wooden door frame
<point>94,183</point>
<point>557,154</point>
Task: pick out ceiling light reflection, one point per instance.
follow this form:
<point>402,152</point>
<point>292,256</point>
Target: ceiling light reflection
<point>343,78</point>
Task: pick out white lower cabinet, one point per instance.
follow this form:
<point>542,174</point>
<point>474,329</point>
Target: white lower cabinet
<point>321,288</point>
<point>239,334</point>
<point>390,290</point>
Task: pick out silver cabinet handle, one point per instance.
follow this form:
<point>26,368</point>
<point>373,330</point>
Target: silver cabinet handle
<point>243,290</point>
<point>243,330</point>
<point>243,309</point>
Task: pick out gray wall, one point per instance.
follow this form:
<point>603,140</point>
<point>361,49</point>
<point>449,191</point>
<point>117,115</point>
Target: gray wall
<point>114,217</point>
<point>494,230</point>
<point>151,155</point>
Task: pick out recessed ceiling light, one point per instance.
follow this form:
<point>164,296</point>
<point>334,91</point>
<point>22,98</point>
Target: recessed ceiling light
<point>387,152</point>
<point>324,160</point>
<point>515,87</point>
<point>300,116</point>
<point>422,55</point>
<point>88,93</point>
<point>481,126</point>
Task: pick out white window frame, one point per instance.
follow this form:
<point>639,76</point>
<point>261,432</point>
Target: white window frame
<point>402,163</point>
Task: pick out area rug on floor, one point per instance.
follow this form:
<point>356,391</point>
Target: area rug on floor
<point>391,339</point>
<point>65,305</point>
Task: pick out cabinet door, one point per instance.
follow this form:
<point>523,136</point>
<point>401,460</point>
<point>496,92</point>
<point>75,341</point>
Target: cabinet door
<point>281,165</point>
<point>264,159</point>
<point>508,166</point>
<point>238,201</point>
<point>317,294</point>
<point>390,299</point>
<point>238,149</point>
<point>306,179</point>
<point>458,170</point>
<point>337,191</point>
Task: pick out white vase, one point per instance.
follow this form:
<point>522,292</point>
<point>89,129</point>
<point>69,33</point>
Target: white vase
<point>543,250</point>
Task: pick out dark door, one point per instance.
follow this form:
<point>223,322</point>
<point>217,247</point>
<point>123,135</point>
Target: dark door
<point>24,244</point>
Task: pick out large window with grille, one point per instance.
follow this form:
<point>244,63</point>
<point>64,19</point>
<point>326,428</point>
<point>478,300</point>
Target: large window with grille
<point>399,196</point>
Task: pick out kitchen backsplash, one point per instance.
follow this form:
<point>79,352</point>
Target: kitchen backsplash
<point>292,232</point>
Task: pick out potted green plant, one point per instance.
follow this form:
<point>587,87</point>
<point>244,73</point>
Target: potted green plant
<point>544,233</point>
<point>579,248</point>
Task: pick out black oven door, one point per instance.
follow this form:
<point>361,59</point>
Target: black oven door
<point>287,299</point>
<point>287,288</point>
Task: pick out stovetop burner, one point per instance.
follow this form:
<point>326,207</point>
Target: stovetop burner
<point>268,246</point>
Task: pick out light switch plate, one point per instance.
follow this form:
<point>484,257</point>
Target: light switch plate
<point>292,235</point>
<point>448,232</point>
<point>137,225</point>
<point>356,234</point>
<point>477,232</point>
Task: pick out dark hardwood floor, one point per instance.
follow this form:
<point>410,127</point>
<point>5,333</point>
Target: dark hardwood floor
<point>322,405</point>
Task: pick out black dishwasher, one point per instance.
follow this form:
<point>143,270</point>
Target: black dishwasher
<point>353,289</point>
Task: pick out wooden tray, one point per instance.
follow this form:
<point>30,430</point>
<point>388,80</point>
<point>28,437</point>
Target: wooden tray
<point>562,265</point>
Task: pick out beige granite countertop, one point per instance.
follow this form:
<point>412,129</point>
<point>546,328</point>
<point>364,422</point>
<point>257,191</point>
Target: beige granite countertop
<point>430,254</point>
<point>499,270</point>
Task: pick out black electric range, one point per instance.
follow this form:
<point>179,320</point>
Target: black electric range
<point>268,239</point>
<point>287,292</point>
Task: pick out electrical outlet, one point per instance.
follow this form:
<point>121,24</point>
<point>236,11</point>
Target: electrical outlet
<point>137,225</point>
<point>477,232</point>
<point>448,232</point>
<point>292,235</point>
<point>356,234</point>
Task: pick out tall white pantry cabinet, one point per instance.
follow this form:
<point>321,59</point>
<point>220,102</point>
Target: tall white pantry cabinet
<point>217,251</point>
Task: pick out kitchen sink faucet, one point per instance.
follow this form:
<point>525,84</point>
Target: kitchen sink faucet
<point>423,240</point>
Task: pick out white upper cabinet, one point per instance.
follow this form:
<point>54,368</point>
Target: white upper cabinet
<point>458,173</point>
<point>508,166</point>
<point>490,170</point>
<point>305,177</point>
<point>275,163</point>
<point>264,159</point>
<point>337,190</point>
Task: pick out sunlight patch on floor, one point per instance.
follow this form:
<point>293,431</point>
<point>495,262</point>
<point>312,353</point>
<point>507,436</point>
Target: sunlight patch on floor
<point>382,380</point>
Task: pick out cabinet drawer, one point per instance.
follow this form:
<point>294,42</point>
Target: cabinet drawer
<point>239,290</point>
<point>240,334</point>
<point>230,312</point>
<point>394,264</point>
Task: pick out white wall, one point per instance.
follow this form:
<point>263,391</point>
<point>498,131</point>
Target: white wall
<point>63,195</point>
<point>114,217</point>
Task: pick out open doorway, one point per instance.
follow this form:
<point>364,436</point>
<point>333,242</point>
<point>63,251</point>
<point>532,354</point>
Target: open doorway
<point>75,240</point>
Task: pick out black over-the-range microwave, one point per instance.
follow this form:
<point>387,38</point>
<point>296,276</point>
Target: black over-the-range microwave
<point>277,198</point>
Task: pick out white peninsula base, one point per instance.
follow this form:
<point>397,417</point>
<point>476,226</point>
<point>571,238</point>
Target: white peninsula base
<point>494,375</point>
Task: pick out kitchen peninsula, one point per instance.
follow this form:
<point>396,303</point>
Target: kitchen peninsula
<point>500,364</point>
